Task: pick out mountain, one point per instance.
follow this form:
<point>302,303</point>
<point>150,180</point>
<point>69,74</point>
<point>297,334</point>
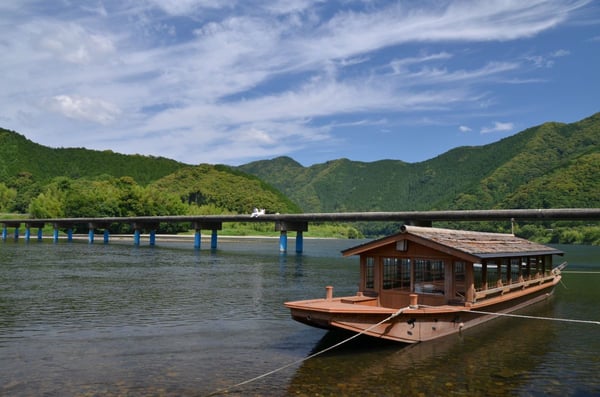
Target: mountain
<point>549,166</point>
<point>20,155</point>
<point>104,183</point>
<point>553,165</point>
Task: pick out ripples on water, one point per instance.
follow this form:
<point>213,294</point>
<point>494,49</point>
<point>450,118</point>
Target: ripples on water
<point>79,319</point>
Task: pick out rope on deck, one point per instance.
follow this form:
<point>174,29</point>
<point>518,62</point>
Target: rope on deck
<point>568,320</point>
<point>227,389</point>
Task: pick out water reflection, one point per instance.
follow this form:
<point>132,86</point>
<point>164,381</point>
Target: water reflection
<point>494,359</point>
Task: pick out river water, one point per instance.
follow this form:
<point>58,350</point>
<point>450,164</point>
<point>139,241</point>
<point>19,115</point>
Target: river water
<point>114,320</point>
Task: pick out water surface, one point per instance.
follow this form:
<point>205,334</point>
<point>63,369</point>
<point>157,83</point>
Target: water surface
<point>79,319</point>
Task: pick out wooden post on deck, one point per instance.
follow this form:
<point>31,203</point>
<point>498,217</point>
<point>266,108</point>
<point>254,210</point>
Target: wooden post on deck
<point>414,299</point>
<point>329,293</point>
<point>469,283</point>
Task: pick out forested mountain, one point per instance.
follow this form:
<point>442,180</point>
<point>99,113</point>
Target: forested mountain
<point>49,183</point>
<point>553,165</point>
<point>550,166</point>
<point>19,155</point>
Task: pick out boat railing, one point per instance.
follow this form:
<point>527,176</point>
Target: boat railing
<point>501,290</point>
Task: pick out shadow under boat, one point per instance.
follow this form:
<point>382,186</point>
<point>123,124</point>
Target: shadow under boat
<point>491,359</point>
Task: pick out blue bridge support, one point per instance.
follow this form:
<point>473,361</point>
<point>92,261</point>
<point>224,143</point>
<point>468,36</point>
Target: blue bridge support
<point>296,226</point>
<point>214,227</point>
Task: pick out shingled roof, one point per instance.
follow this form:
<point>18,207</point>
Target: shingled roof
<point>476,245</point>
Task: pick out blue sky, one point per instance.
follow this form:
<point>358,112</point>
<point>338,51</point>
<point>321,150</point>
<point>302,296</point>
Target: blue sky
<point>229,82</point>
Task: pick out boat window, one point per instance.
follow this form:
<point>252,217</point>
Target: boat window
<point>459,271</point>
<point>492,274</point>
<point>429,276</point>
<point>533,266</point>
<point>515,269</point>
<point>477,275</point>
<point>504,271</point>
<point>396,273</point>
<point>369,275</point>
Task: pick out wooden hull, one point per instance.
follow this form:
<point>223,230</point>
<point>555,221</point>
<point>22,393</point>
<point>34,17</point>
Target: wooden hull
<point>413,324</point>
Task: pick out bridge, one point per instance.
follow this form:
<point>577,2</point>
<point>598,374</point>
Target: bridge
<point>285,223</point>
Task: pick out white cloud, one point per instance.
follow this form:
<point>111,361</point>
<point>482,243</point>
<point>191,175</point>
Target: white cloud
<point>464,128</point>
<point>185,7</point>
<point>208,76</point>
<point>498,127</point>
<point>560,53</point>
<point>69,42</point>
<point>81,108</point>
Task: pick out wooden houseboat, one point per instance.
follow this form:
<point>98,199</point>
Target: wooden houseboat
<point>424,283</point>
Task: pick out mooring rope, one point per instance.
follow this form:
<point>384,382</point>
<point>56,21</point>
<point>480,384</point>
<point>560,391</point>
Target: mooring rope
<point>227,389</point>
<point>568,320</point>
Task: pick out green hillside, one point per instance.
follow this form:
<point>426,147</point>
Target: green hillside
<point>19,155</point>
<point>222,188</point>
<point>48,183</point>
<point>515,172</point>
<point>553,165</point>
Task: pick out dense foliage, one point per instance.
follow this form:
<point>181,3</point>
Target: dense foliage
<point>87,183</point>
<point>217,189</point>
<point>19,155</point>
<point>550,166</point>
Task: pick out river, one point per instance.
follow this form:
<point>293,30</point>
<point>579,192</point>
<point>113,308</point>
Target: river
<point>113,320</point>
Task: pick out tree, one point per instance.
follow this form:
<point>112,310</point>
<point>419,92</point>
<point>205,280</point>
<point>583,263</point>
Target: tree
<point>7,197</point>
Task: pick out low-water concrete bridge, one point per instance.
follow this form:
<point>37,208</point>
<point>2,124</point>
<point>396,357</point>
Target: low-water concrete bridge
<point>288,222</point>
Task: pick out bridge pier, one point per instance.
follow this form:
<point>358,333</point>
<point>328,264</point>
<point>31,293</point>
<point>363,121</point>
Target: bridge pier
<point>283,227</point>
<point>4,232</point>
<point>214,227</point>
<point>92,226</point>
<point>139,227</point>
<point>152,238</point>
<point>197,239</point>
<point>283,241</point>
<point>55,233</point>
<point>29,225</point>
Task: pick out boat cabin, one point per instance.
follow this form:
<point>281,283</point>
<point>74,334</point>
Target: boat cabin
<point>444,266</point>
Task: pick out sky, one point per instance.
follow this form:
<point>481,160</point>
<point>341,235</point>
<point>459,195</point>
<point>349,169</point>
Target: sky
<point>235,81</point>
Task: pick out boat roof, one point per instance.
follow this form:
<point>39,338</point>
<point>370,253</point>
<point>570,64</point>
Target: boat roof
<point>465,244</point>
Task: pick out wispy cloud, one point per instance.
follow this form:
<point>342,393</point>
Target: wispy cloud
<point>208,80</point>
<point>498,127</point>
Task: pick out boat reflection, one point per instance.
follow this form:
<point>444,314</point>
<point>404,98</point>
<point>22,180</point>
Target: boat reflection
<point>498,358</point>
